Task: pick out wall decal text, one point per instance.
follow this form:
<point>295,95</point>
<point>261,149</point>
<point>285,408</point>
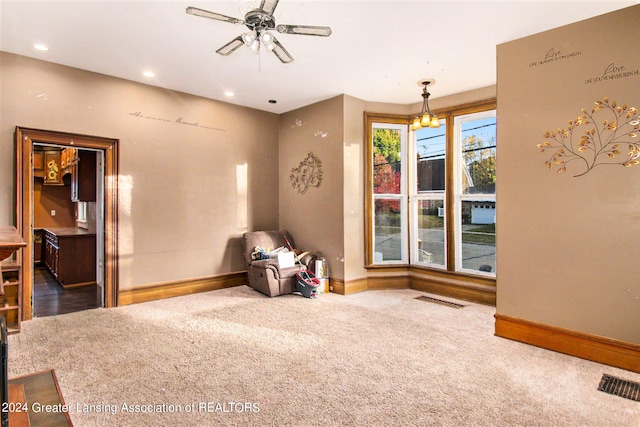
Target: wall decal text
<point>613,71</point>
<point>177,121</point>
<point>554,55</point>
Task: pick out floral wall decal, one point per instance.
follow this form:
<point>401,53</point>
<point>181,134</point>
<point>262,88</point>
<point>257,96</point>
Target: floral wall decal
<point>307,174</point>
<point>603,141</point>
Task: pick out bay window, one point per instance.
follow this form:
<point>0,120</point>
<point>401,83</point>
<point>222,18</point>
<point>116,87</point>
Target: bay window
<point>431,192</point>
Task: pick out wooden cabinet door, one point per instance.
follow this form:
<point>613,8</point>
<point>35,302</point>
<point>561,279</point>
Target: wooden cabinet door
<point>76,260</point>
<point>52,168</point>
<point>55,254</point>
<point>83,177</point>
<point>86,176</point>
<point>74,183</point>
<point>38,164</point>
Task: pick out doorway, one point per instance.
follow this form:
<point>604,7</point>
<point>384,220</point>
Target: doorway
<point>102,226</point>
<point>67,218</point>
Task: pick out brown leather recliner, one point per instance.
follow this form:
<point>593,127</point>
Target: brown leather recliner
<point>265,275</point>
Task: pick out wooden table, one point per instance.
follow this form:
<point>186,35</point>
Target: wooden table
<point>10,241</point>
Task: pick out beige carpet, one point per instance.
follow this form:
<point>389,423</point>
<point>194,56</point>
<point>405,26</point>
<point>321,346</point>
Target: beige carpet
<point>377,358</point>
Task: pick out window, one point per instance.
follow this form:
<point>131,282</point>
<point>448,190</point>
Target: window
<point>432,192</point>
<point>81,213</point>
<point>475,193</point>
<point>389,193</point>
<point>428,204</point>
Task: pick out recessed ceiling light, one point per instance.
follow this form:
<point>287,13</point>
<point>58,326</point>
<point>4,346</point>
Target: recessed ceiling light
<point>229,93</point>
<point>41,47</point>
<point>148,74</point>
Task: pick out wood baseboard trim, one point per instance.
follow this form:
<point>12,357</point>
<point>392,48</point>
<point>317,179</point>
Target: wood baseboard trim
<point>481,290</point>
<point>585,346</point>
<point>354,286</point>
<point>336,286</point>
<point>454,288</point>
<point>377,283</point>
<point>181,287</point>
<point>77,285</point>
<point>341,287</point>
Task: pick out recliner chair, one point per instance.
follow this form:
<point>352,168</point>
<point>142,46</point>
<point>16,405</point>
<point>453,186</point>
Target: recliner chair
<point>265,275</point>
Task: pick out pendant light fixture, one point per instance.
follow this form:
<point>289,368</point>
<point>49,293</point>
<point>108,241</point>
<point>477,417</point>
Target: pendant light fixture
<point>425,119</point>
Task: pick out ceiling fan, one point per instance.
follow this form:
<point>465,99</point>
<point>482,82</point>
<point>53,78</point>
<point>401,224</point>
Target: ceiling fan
<point>261,22</point>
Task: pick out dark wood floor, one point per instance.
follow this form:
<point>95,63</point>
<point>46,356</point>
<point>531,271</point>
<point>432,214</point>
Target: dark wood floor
<point>50,298</point>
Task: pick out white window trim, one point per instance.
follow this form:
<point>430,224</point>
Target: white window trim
<point>404,130</point>
<point>458,196</point>
<point>414,198</point>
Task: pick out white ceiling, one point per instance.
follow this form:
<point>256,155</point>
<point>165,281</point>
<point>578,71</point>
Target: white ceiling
<point>378,50</point>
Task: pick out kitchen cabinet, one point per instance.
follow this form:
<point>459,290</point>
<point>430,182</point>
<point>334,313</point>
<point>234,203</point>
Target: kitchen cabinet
<point>70,255</point>
<point>68,158</point>
<point>83,177</point>
<point>52,169</point>
<point>38,164</point>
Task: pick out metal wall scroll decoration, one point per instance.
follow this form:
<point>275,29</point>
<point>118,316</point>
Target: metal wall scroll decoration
<point>603,141</point>
<point>307,174</point>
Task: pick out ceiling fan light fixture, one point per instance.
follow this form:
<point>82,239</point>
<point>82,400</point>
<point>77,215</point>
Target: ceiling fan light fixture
<point>266,37</point>
<point>259,18</point>
<point>268,40</point>
<point>248,38</point>
<point>425,119</point>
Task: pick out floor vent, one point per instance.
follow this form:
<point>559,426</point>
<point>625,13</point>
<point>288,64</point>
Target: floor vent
<point>620,387</point>
<point>439,301</point>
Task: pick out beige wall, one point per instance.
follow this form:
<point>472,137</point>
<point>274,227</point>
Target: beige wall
<point>354,182</point>
<point>182,205</point>
<point>568,246</point>
<point>314,217</point>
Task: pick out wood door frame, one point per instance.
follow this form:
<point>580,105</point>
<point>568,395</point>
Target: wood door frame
<point>25,138</point>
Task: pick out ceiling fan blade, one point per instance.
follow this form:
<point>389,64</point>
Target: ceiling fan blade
<point>281,52</point>
<point>212,15</point>
<point>269,6</point>
<point>231,47</point>
<point>307,30</point>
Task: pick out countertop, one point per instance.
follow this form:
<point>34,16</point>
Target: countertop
<point>68,231</point>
